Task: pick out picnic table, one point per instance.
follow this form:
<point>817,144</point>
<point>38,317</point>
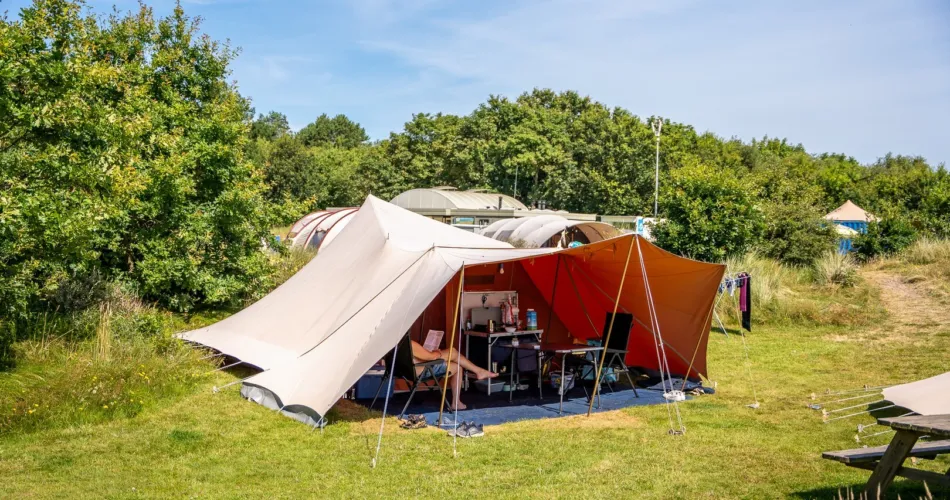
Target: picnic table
<point>888,461</point>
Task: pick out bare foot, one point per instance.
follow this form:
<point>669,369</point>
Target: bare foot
<point>460,405</point>
<point>482,375</point>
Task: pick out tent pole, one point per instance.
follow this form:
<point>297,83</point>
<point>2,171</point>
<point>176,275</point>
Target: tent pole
<point>698,343</point>
<point>610,329</point>
<point>458,370</point>
<point>455,317</point>
<point>389,390</point>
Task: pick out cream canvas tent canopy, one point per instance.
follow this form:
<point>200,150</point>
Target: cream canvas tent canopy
<point>930,396</point>
<point>318,333</point>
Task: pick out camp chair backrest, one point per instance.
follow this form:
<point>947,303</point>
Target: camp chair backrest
<point>404,367</point>
<point>621,333</point>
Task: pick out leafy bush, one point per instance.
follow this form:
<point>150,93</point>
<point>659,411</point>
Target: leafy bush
<point>886,237</point>
<point>707,215</point>
<point>795,229</point>
<point>121,158</point>
<point>835,268</point>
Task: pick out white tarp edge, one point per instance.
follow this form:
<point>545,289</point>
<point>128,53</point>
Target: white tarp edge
<point>930,396</point>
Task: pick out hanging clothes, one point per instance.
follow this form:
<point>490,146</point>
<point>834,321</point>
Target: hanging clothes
<point>745,300</point>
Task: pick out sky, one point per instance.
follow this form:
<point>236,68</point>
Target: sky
<point>862,78</point>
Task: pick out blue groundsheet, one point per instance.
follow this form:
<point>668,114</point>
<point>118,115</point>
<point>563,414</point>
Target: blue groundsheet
<point>495,409</point>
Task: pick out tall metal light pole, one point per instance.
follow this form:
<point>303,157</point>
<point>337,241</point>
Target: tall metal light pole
<point>515,194</point>
<point>657,125</point>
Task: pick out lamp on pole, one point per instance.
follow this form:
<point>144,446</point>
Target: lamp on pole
<point>657,125</point>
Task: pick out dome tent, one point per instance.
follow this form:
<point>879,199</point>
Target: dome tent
<point>544,231</point>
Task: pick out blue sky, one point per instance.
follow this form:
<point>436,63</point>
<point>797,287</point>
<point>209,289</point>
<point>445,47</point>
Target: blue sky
<point>857,77</point>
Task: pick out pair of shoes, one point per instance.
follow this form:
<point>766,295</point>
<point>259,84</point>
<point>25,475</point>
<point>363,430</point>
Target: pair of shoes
<point>414,422</point>
<point>467,430</point>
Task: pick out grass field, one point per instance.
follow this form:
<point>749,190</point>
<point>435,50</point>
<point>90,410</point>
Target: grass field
<point>204,445</point>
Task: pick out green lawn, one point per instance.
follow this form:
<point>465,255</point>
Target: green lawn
<point>218,445</point>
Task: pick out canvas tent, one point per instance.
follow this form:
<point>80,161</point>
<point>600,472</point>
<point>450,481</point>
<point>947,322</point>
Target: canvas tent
<point>318,229</point>
<point>318,333</point>
<point>545,230</point>
<point>930,396</point>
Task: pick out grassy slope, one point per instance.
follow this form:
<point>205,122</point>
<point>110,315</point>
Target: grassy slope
<point>218,445</point>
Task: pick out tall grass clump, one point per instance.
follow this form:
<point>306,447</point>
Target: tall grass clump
<point>783,294</point>
<point>928,251</point>
<point>835,268</point>
<point>108,361</point>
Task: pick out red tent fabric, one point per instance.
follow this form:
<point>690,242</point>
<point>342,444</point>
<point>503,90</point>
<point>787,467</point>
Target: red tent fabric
<point>573,290</point>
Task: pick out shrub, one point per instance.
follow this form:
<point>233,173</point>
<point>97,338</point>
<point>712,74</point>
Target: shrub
<point>795,230</point>
<point>886,237</point>
<point>707,215</point>
<point>836,268</point>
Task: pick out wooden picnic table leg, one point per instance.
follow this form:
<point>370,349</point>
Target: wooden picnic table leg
<point>890,463</point>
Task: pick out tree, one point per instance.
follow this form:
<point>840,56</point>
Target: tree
<point>121,154</point>
<point>707,215</point>
<point>337,131</point>
<point>271,126</point>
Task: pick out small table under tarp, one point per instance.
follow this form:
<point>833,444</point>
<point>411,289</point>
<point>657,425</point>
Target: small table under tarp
<point>888,461</point>
<point>546,355</point>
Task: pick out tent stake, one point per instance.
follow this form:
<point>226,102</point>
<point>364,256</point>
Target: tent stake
<point>455,317</point>
<point>610,329</point>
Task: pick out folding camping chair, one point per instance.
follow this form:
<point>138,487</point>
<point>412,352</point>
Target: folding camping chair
<point>616,350</point>
<point>614,353</point>
<point>405,368</point>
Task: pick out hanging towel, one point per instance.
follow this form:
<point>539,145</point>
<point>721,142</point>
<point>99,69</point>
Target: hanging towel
<point>745,300</point>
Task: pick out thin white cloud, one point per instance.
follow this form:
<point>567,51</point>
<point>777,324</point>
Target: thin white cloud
<point>803,70</point>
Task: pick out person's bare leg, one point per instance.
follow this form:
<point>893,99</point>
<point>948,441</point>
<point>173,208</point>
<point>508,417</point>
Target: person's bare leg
<point>454,357</point>
<point>456,392</point>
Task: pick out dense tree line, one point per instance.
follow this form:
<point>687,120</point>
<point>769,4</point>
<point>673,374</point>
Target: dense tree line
<point>126,154</point>
<point>720,196</point>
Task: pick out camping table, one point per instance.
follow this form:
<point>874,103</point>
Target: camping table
<point>494,337</point>
<point>546,355</point>
<point>891,463</point>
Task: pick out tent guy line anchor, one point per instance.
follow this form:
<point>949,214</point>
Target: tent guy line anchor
<point>858,413</point>
<point>866,388</point>
<point>828,412</point>
<point>852,398</point>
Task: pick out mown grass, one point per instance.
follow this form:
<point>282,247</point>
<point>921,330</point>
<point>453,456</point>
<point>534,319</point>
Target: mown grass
<point>217,445</point>
<point>191,442</point>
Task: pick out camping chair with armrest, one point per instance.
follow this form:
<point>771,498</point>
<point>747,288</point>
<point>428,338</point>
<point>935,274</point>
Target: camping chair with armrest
<point>405,368</point>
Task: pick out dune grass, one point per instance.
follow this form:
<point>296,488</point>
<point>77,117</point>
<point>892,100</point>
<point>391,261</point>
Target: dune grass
<point>189,442</point>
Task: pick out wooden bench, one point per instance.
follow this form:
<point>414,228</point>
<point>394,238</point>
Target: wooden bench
<point>928,450</point>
